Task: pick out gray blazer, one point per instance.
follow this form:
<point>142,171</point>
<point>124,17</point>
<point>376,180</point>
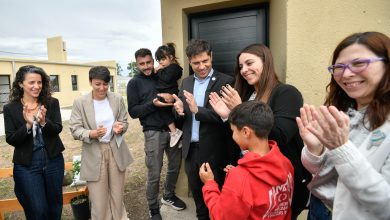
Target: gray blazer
<point>82,121</point>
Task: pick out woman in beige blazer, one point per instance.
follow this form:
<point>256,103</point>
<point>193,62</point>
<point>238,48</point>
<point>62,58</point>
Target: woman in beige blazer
<point>99,120</point>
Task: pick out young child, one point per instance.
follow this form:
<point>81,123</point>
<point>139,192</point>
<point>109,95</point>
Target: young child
<point>261,185</point>
<point>168,72</point>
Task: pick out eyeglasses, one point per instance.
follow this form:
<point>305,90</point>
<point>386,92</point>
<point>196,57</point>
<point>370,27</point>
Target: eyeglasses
<point>355,66</point>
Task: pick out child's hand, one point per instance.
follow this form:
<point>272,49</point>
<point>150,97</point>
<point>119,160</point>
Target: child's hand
<point>228,168</point>
<point>206,173</point>
<point>158,68</point>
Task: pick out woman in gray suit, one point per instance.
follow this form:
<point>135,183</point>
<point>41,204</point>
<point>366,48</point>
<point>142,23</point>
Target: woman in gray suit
<point>99,119</point>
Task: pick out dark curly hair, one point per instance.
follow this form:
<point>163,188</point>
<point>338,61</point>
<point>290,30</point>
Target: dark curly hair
<point>16,92</point>
<point>379,108</point>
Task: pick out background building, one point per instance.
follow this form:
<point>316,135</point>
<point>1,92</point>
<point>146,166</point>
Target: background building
<point>69,79</point>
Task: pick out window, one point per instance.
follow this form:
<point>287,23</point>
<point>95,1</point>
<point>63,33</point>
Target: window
<point>112,83</point>
<point>74,82</point>
<point>55,86</point>
<point>4,90</point>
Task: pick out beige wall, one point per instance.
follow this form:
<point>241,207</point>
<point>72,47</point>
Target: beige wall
<point>315,27</point>
<point>56,49</point>
<point>302,33</point>
<point>64,71</point>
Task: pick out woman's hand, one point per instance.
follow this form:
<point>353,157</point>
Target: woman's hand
<point>117,127</point>
<point>98,133</point>
<point>205,173</point>
<point>28,116</point>
<point>333,127</point>
<point>42,115</point>
<point>230,96</point>
<point>313,144</point>
<point>218,105</point>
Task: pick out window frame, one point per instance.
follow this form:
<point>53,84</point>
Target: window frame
<point>53,85</point>
<point>75,85</point>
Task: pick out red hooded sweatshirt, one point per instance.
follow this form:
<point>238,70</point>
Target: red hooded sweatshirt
<point>260,187</point>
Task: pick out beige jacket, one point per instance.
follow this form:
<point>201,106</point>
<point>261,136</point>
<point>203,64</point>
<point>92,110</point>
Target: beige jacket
<point>82,121</point>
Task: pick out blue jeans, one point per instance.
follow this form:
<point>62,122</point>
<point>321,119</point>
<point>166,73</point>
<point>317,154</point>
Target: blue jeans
<point>317,210</point>
<point>156,143</point>
<point>38,187</point>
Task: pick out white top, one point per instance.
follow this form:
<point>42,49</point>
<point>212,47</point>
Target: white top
<point>104,116</point>
<point>252,97</point>
<point>354,178</point>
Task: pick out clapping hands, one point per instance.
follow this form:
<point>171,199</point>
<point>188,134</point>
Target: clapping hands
<point>230,96</point>
<point>218,105</point>
<point>326,127</point>
<point>29,114</point>
<point>190,99</point>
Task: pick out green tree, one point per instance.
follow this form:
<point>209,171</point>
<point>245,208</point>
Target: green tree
<point>119,69</point>
<point>132,67</point>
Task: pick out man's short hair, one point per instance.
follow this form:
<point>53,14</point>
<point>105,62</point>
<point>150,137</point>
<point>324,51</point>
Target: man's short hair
<point>143,52</point>
<point>254,114</point>
<point>99,72</point>
<point>197,46</point>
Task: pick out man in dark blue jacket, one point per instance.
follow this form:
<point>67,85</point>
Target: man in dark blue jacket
<point>142,104</point>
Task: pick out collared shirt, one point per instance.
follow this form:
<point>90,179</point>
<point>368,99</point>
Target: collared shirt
<point>200,87</point>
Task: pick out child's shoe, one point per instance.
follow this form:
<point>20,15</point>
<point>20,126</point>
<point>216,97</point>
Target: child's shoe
<point>175,137</point>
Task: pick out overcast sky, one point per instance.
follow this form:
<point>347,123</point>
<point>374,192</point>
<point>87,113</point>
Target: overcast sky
<point>93,30</point>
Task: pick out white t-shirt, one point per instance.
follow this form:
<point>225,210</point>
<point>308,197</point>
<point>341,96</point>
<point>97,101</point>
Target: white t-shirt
<point>104,116</point>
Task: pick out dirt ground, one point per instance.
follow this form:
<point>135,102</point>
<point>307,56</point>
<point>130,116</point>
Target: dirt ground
<point>135,200</point>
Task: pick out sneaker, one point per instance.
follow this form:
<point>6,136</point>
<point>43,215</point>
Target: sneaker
<point>175,137</point>
<point>174,202</point>
<point>154,214</point>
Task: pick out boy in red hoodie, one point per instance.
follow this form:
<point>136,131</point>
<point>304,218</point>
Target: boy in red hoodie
<point>261,185</point>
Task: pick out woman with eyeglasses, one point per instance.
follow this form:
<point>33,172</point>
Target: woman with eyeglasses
<point>347,141</point>
<point>32,121</point>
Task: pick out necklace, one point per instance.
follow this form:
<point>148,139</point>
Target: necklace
<point>30,109</point>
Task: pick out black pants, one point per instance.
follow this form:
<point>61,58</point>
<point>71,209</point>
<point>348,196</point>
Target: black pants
<point>192,165</point>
